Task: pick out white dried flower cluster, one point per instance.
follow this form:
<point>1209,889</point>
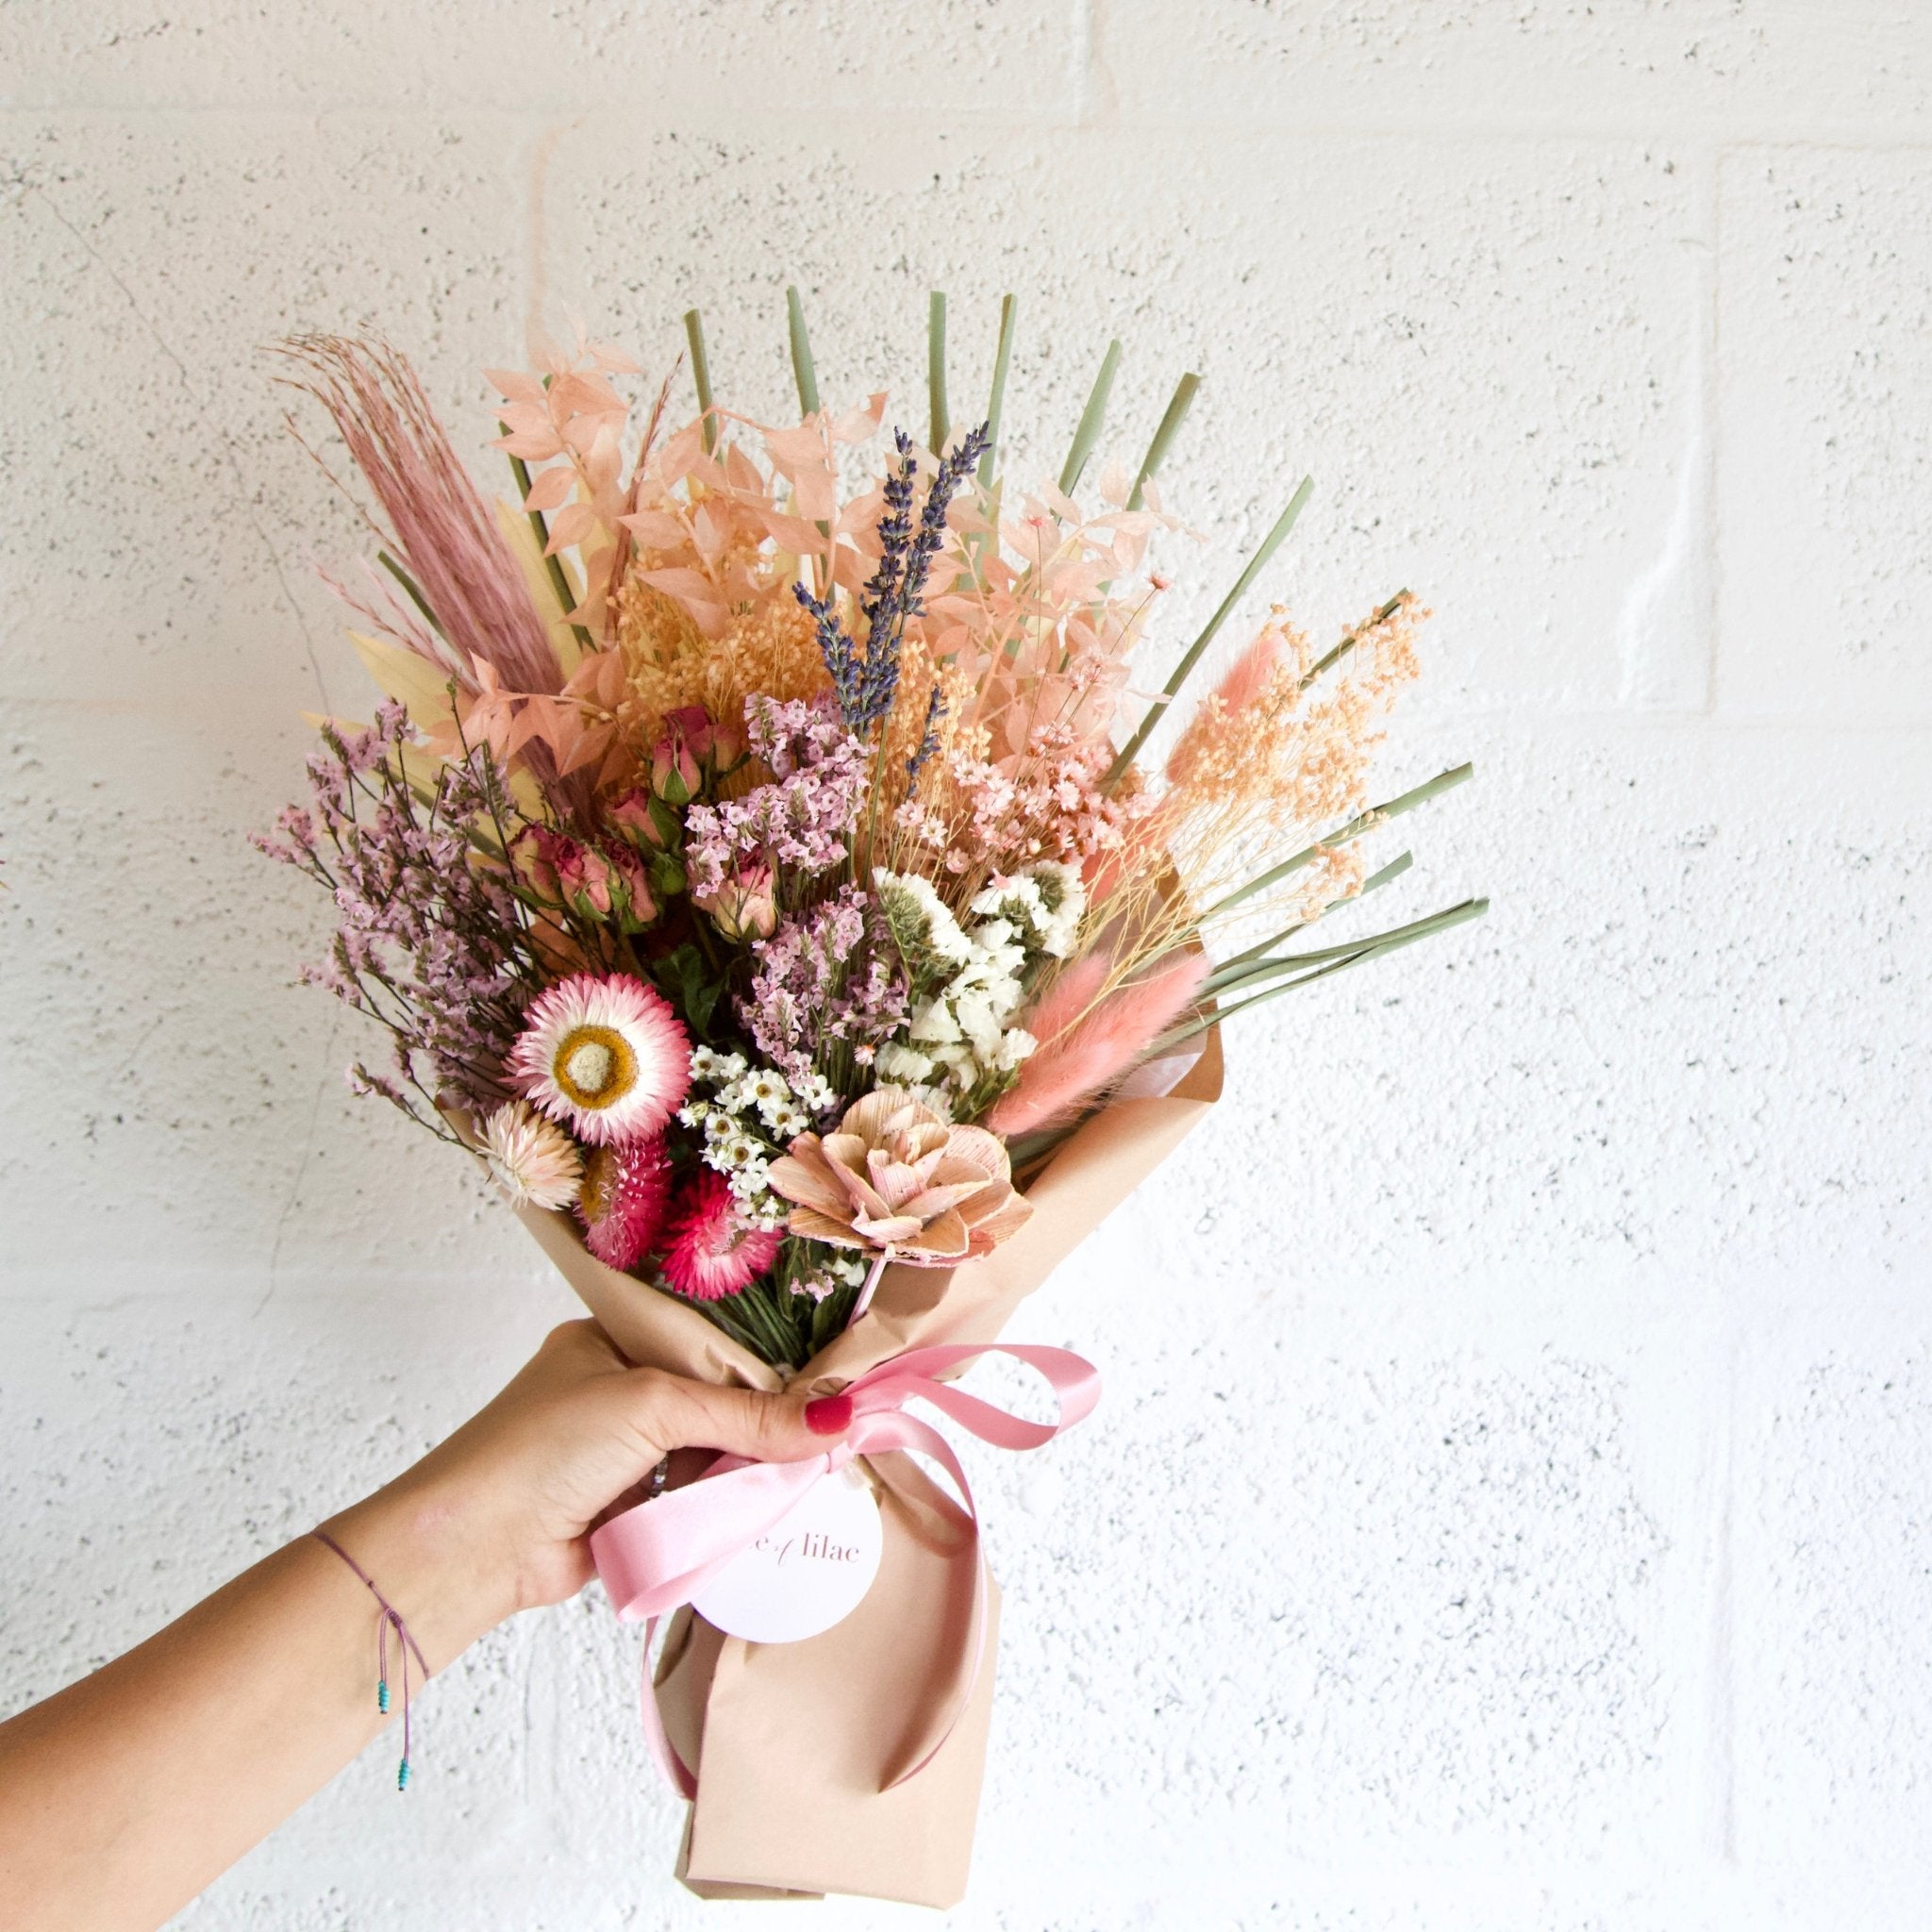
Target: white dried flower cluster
<point>835,1273</point>
<point>1043,903</point>
<point>960,1032</point>
<point>750,1117</point>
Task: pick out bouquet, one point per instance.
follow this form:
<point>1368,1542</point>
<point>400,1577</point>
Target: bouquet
<point>757,858</point>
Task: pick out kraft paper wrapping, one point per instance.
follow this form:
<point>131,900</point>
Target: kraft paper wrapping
<point>792,1741</point>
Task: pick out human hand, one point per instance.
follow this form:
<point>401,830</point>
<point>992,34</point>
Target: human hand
<point>497,1518</point>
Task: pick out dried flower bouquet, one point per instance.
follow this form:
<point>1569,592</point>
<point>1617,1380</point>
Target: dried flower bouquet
<point>765,874</point>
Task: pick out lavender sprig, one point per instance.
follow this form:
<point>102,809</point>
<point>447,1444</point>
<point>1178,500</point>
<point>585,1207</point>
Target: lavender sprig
<point>929,741</point>
<point>867,681</point>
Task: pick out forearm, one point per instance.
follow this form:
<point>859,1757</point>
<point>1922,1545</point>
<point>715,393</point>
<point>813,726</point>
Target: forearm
<point>125,1794</point>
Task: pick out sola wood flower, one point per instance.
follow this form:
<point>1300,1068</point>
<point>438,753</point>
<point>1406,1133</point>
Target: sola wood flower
<point>606,1056</point>
<point>893,1175</point>
<point>530,1159</point>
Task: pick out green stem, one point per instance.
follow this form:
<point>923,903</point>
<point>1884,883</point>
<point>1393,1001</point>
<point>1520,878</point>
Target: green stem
<point>1394,808</point>
<point>1003,356</point>
<point>1374,882</point>
<point>415,595</point>
<point>1092,418</point>
<point>1255,971</point>
<point>554,565</point>
<point>1331,659</point>
<point>1182,401</point>
<point>802,371</point>
<point>1473,908</point>
<point>1256,563</point>
<point>701,375</point>
<point>936,371</point>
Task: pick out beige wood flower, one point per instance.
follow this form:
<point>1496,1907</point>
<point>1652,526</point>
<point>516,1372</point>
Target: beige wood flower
<point>894,1175</point>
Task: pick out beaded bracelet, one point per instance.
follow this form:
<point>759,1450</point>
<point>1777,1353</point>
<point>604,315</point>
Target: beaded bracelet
<point>406,1648</point>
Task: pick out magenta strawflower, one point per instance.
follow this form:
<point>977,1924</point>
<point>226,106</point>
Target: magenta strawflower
<point>714,1251</point>
<point>625,1191</point>
<point>604,1056</point>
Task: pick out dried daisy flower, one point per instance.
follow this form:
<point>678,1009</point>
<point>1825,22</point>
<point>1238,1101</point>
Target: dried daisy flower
<point>533,1161</point>
<point>894,1175</point>
<point>605,1055</point>
<point>621,1202</point>
<point>714,1251</point>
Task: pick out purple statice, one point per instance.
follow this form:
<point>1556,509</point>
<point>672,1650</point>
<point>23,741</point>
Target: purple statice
<point>802,819</point>
<point>828,991</point>
<point>867,681</point>
<point>427,944</point>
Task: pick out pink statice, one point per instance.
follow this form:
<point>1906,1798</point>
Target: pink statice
<point>802,819</point>
<point>714,1251</point>
<point>426,943</point>
<point>827,980</point>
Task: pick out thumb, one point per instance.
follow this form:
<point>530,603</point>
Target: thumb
<point>676,1413</point>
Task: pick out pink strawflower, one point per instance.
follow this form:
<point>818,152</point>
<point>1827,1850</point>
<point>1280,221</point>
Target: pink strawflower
<point>622,1203</point>
<point>606,1056</point>
<point>531,1159</point>
<point>714,1251</point>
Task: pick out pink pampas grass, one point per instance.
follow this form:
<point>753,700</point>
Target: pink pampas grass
<point>1085,1048</point>
<point>444,533</point>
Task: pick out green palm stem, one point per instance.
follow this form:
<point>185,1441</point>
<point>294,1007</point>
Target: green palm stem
<point>1256,563</point>
<point>1255,971</point>
<point>552,564</point>
<point>1176,413</point>
<point>1367,822</point>
<point>1373,883</point>
<point>1471,908</point>
<point>803,372</point>
<point>1002,358</point>
<point>1330,659</point>
<point>1092,419</point>
<point>936,371</point>
<point>701,375</point>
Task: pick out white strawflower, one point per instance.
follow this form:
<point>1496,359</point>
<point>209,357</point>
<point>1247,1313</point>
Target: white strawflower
<point>533,1161</point>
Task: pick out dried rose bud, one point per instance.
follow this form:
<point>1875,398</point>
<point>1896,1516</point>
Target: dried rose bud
<point>744,907</point>
<point>634,821</point>
<point>583,876</point>
<point>632,896</point>
<point>676,761</point>
<point>532,858</point>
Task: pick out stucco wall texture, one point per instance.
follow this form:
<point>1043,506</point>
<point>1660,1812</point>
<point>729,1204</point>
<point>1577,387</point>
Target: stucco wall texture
<point>1512,1507</point>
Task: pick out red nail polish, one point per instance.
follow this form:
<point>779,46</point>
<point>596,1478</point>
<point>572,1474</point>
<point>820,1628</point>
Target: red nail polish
<point>828,1415</point>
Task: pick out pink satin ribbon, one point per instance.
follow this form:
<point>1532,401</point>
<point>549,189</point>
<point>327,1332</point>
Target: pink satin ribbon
<point>661,1554</point>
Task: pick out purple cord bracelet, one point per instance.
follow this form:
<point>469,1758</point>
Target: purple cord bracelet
<point>406,1647</point>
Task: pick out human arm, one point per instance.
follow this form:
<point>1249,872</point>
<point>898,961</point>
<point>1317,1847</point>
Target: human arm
<point>122,1796</point>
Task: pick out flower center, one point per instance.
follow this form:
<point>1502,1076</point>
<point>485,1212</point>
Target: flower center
<point>594,1196</point>
<point>594,1066</point>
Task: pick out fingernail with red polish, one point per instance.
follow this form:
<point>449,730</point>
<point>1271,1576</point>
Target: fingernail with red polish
<point>828,1415</point>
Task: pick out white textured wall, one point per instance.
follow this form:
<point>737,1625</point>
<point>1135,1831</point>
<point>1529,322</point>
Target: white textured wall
<point>1513,1508</point>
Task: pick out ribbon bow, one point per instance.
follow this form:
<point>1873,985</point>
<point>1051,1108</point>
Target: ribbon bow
<point>661,1554</point>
